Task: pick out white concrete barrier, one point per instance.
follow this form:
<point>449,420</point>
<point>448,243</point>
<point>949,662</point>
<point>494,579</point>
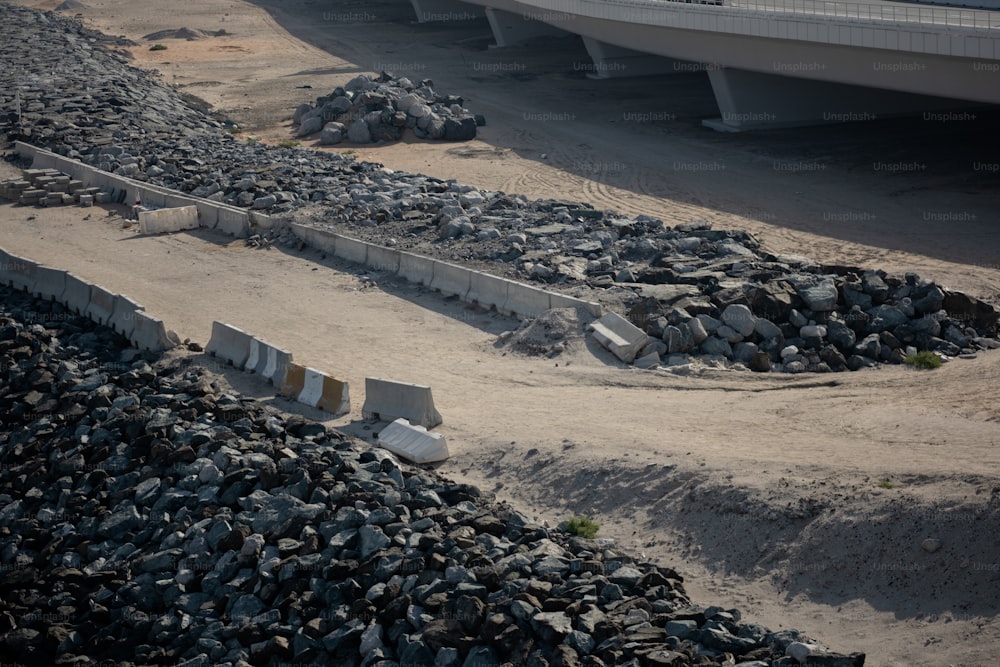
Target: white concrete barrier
<point>76,295</point>
<point>150,334</point>
<point>101,306</point>
<point>351,250</point>
<point>20,273</point>
<point>564,301</point>
<point>49,283</point>
<point>123,316</point>
<point>525,300</point>
<point>168,220</point>
<point>388,400</point>
<point>382,259</point>
<point>487,291</point>
<point>416,268</point>
<point>619,336</point>
<point>229,343</point>
<point>232,221</point>
<point>451,280</point>
<point>268,361</point>
<point>413,443</point>
<point>314,237</point>
<point>316,389</point>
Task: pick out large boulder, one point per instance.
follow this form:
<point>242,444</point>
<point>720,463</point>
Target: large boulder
<point>359,133</point>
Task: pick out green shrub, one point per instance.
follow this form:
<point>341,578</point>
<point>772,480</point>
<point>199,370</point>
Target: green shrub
<point>288,143</point>
<point>157,47</point>
<point>886,484</point>
<point>924,359</point>
<point>581,526</point>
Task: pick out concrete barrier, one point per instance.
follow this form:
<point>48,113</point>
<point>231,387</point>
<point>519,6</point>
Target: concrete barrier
<point>311,387</point>
<point>268,361</point>
<point>168,220</point>
<point>413,443</point>
<point>20,273</point>
<point>486,290</point>
<point>525,300</point>
<point>451,280</point>
<point>76,295</point>
<point>563,301</point>
<point>101,306</point>
<point>150,334</point>
<point>49,283</point>
<point>229,343</point>
<point>351,250</point>
<point>232,221</point>
<point>123,316</point>
<point>382,259</point>
<point>315,238</point>
<point>416,268</point>
<point>619,336</point>
<point>388,400</point>
<point>326,393</point>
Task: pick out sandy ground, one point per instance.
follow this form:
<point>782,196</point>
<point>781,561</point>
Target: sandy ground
<point>801,500</point>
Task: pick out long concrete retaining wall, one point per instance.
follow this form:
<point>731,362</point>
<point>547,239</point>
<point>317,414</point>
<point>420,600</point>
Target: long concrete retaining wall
<point>507,296</point>
<point>100,305</point>
<point>221,217</point>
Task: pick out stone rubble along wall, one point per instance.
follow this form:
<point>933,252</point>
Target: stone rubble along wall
<point>84,102</point>
<point>151,516</point>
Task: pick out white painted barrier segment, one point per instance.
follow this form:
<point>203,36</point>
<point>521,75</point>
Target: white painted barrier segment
<point>123,316</point>
<point>268,361</point>
<point>315,237</point>
<point>229,343</point>
<point>316,389</point>
<point>416,268</point>
<point>101,306</point>
<point>451,280</point>
<point>388,400</point>
<point>150,334</point>
<point>20,273</point>
<point>413,443</point>
<point>76,295</point>
<point>619,336</point>
<point>564,301</point>
<point>487,291</point>
<point>351,250</point>
<point>49,283</point>
<point>168,220</point>
<point>382,259</point>
<point>525,300</point>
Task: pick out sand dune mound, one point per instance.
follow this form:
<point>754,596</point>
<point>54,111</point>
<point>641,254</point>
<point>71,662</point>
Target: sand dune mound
<point>70,6</point>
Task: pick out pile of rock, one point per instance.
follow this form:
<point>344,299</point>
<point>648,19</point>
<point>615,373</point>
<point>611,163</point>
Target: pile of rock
<point>84,101</point>
<point>148,515</point>
<point>372,110</point>
<point>48,187</point>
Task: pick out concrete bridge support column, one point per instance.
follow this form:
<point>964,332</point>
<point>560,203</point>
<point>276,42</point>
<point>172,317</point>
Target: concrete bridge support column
<point>756,101</point>
<point>610,61</point>
<point>510,29</point>
<point>428,11</point>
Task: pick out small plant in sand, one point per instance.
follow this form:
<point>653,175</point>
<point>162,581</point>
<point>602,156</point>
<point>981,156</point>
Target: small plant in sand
<point>157,47</point>
<point>924,359</point>
<point>886,484</point>
<point>253,140</point>
<point>581,526</point>
<point>288,143</point>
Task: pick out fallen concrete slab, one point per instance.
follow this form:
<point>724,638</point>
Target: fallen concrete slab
<point>413,443</point>
<point>619,336</point>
